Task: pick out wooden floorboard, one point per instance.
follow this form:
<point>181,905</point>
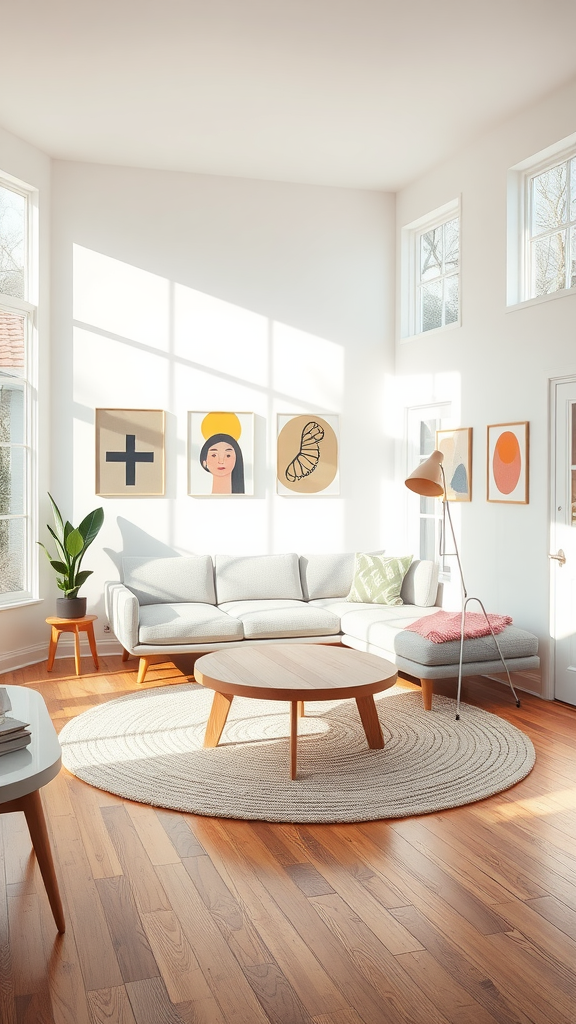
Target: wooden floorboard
<point>467,916</point>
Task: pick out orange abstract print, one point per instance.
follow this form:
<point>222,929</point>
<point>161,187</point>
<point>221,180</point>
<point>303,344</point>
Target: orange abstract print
<point>507,462</point>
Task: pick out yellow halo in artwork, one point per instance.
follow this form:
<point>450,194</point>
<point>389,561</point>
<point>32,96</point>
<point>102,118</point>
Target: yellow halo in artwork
<point>221,423</point>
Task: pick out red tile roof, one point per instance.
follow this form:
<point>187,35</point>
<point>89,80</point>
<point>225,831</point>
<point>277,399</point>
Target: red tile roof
<point>11,339</point>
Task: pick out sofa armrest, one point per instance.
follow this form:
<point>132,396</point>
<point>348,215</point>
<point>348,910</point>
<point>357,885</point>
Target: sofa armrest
<point>122,609</point>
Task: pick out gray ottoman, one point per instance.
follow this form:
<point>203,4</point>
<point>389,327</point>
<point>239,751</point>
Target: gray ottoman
<point>429,661</point>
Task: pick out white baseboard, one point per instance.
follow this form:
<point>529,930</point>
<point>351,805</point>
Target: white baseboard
<point>13,660</point>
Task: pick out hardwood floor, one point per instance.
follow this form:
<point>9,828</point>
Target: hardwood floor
<point>467,916</point>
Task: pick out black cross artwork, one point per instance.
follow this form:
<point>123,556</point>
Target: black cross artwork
<point>130,457</point>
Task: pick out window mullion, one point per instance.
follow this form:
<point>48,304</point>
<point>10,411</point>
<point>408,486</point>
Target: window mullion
<point>568,245</point>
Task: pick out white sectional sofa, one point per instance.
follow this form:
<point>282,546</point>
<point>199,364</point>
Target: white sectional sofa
<point>193,605</point>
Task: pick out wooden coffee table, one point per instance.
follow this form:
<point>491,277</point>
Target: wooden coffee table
<point>23,773</point>
<point>294,672</point>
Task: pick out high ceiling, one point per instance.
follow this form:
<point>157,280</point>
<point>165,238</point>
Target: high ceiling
<point>355,93</point>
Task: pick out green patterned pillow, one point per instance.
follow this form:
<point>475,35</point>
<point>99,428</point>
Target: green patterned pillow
<point>378,580</point>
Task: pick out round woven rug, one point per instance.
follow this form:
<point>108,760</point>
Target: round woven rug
<point>148,747</point>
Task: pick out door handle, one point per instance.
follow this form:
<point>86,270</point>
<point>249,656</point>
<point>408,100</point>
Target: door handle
<point>560,557</point>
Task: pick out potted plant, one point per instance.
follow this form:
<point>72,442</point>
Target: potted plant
<point>71,545</point>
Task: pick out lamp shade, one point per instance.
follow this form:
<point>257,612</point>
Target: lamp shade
<point>427,479</point>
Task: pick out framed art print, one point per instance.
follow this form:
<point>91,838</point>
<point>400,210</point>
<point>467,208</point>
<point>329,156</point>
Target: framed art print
<point>129,452</point>
<point>507,463</point>
<point>456,447</point>
<point>220,453</point>
<point>307,459</point>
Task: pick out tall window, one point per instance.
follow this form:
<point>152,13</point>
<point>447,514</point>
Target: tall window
<point>16,313</point>
<point>431,272</point>
<point>425,516</point>
<point>551,229</point>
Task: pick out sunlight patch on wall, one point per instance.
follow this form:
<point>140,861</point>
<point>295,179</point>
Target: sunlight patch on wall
<point>220,335</point>
<point>112,373</point>
<point>121,299</point>
<point>308,367</point>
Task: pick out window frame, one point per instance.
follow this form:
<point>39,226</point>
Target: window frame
<point>28,378</point>
<point>519,215</point>
<point>410,326</point>
<point>529,238</point>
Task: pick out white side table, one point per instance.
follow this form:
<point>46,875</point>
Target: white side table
<point>23,773</point>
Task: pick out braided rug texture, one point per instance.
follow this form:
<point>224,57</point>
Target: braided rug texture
<point>148,747</point>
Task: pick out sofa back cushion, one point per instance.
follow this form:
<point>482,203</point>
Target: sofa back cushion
<point>420,585</point>
<point>187,579</point>
<point>327,575</point>
<point>257,578</point>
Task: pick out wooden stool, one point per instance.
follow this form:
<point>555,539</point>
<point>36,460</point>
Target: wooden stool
<point>76,626</point>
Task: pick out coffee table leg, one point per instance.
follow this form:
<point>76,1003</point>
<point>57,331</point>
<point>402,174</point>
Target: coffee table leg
<point>370,721</point>
<point>301,709</point>
<point>294,708</point>
<point>217,720</point>
<point>31,804</point>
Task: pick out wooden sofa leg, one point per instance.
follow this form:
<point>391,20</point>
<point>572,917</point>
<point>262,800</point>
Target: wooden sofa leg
<point>427,691</point>
<point>125,654</point>
<point>142,669</point>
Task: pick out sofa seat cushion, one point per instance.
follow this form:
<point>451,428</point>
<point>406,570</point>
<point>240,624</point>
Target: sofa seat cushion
<point>376,624</point>
<point>514,643</point>
<point>187,624</point>
<point>266,620</point>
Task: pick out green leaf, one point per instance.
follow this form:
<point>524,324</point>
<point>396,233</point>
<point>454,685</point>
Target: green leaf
<point>60,567</point>
<point>57,516</point>
<point>90,526</point>
<point>45,549</point>
<point>74,543</point>
<point>61,584</point>
<point>59,543</point>
<point>67,529</point>
<point>82,577</point>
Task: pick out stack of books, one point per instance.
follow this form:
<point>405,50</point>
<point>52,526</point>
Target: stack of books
<point>13,734</point>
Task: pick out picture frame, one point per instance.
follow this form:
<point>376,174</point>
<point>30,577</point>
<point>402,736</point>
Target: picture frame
<point>130,460</point>
<point>307,454</point>
<point>456,446</point>
<point>507,463</point>
<point>220,454</point>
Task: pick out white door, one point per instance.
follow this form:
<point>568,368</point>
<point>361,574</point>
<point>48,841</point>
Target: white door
<point>563,543</point>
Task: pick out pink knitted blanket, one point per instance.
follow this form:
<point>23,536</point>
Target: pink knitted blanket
<point>443,626</point>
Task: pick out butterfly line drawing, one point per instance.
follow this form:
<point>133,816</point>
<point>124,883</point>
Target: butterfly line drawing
<point>309,455</point>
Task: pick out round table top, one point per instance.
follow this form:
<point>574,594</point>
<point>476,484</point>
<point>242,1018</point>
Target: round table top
<point>294,672</point>
<point>23,771</point>
<point>57,620</point>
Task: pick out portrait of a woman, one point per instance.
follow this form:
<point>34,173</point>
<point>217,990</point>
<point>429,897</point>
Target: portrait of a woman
<point>221,453</point>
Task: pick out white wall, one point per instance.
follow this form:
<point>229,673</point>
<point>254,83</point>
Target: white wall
<point>23,629</point>
<point>186,292</point>
<point>496,366</point>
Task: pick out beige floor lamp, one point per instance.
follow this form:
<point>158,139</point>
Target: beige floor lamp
<point>429,480</point>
